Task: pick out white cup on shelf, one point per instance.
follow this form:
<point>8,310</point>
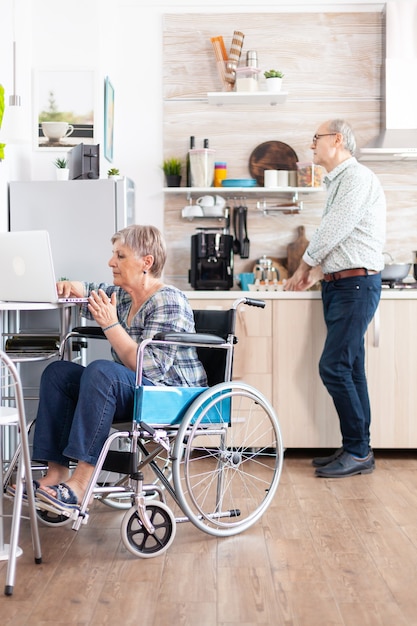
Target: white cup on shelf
<point>270,178</point>
<point>282,176</point>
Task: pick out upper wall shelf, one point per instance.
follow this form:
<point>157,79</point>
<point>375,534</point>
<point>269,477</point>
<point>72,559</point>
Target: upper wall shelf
<point>246,97</point>
<point>242,190</point>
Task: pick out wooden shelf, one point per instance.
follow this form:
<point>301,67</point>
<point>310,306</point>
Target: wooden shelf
<point>246,97</point>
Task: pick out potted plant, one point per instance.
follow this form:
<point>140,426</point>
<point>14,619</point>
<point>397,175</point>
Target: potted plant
<point>113,172</point>
<point>273,80</point>
<point>172,169</point>
<point>62,172</point>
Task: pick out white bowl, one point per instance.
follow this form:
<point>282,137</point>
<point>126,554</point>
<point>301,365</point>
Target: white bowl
<point>213,211</point>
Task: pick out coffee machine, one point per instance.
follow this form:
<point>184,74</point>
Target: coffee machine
<point>211,261</point>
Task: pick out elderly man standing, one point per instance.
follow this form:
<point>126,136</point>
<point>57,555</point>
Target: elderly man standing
<point>346,253</point>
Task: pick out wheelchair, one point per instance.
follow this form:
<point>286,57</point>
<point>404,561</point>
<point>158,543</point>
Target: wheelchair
<point>214,454</point>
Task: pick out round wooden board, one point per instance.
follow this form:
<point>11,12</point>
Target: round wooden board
<point>271,155</point>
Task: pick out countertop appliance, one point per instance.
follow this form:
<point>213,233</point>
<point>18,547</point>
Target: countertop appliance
<point>211,261</point>
<point>80,215</point>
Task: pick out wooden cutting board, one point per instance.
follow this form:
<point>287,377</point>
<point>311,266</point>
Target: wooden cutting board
<point>271,155</point>
<point>295,250</point>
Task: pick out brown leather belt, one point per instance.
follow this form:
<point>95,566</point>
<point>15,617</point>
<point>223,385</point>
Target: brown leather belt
<point>360,271</point>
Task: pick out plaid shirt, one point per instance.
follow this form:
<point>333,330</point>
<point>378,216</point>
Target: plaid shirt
<point>166,310</point>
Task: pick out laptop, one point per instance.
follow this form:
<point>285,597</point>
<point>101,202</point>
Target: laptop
<point>26,268</point>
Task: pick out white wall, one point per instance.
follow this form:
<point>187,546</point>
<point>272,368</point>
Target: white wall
<point>120,39</point>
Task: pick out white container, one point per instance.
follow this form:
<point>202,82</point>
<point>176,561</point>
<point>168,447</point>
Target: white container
<point>247,79</point>
<point>202,167</point>
<point>270,178</point>
<point>274,84</point>
<point>282,178</point>
<point>62,173</point>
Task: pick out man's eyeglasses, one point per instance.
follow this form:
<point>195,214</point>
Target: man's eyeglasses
<point>323,135</point>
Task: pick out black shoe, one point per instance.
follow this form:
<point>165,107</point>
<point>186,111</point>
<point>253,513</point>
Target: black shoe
<point>321,461</point>
<point>347,465</point>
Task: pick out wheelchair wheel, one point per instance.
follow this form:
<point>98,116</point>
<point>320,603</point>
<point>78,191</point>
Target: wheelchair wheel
<point>228,459</point>
<point>139,541</point>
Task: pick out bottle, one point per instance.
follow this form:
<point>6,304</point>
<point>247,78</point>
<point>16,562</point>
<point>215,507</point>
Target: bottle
<point>188,167</point>
<point>252,58</point>
<point>220,173</point>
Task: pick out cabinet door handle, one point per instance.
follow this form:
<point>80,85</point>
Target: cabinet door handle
<point>377,327</point>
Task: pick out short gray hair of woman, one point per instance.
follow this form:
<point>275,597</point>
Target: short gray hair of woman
<point>342,127</point>
<point>144,240</point>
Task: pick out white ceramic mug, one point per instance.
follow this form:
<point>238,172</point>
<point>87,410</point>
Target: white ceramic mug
<point>55,131</point>
<point>206,201</point>
<point>219,202</point>
<point>270,178</point>
<point>282,178</point>
<point>192,211</point>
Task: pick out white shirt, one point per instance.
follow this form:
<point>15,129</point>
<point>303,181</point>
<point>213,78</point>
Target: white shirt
<point>352,231</point>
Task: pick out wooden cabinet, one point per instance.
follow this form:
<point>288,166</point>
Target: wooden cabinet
<point>305,410</point>
<point>391,368</point>
<point>278,353</point>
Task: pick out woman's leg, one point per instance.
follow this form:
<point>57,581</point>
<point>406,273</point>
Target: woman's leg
<point>106,394</point>
<point>58,396</point>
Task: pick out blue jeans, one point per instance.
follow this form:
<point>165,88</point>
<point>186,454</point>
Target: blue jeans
<point>77,406</point>
<point>349,305</point>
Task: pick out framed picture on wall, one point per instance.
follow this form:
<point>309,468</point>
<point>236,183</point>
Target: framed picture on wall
<point>64,105</point>
<point>108,119</point>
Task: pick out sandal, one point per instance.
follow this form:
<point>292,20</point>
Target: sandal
<point>65,498</point>
<point>11,491</point>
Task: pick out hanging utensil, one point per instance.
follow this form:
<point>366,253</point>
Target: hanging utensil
<point>241,228</point>
<point>244,254</point>
<point>236,242</point>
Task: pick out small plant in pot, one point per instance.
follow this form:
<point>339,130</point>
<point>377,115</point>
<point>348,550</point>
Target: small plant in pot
<point>273,80</point>
<point>62,172</point>
<point>172,169</point>
<point>113,172</point>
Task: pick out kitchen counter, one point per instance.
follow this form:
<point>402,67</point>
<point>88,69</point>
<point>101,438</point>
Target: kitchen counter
<point>387,294</point>
<point>279,350</point>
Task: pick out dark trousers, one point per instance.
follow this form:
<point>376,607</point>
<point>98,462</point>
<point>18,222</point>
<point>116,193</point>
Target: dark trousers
<point>349,305</point>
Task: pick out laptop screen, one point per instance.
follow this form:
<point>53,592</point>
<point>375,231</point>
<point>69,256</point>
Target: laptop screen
<point>26,268</point>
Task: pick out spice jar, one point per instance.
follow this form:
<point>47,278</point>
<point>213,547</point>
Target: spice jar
<point>220,173</point>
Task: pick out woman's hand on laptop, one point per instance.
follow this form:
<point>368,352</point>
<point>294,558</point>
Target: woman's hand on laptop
<point>70,288</point>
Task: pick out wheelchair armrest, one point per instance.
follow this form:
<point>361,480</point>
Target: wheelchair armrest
<point>91,331</point>
<point>201,338</point>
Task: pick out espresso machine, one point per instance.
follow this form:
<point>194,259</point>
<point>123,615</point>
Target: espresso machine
<point>211,260</point>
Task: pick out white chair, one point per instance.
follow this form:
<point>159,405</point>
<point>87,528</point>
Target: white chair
<point>12,413</point>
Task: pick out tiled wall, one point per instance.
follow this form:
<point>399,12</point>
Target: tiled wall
<point>332,65</point>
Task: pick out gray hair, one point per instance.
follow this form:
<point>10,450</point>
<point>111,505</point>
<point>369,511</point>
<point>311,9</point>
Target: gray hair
<point>342,127</point>
<point>144,240</point>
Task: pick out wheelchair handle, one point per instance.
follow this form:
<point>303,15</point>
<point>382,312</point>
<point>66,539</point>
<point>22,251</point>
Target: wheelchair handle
<point>250,302</point>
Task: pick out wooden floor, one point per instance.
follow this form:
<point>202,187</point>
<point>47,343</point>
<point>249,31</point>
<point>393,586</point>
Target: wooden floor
<point>328,551</point>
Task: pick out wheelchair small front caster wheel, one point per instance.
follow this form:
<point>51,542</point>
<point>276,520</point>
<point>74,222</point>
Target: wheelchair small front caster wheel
<point>138,540</point>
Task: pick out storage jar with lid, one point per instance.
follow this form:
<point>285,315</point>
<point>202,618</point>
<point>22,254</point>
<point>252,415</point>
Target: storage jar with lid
<point>309,175</point>
<point>247,79</point>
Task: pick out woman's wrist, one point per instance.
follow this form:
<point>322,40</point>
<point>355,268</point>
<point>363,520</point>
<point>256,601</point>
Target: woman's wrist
<point>110,326</point>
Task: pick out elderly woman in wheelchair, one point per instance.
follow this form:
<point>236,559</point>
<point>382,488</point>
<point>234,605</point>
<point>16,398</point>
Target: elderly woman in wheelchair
<point>78,404</point>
